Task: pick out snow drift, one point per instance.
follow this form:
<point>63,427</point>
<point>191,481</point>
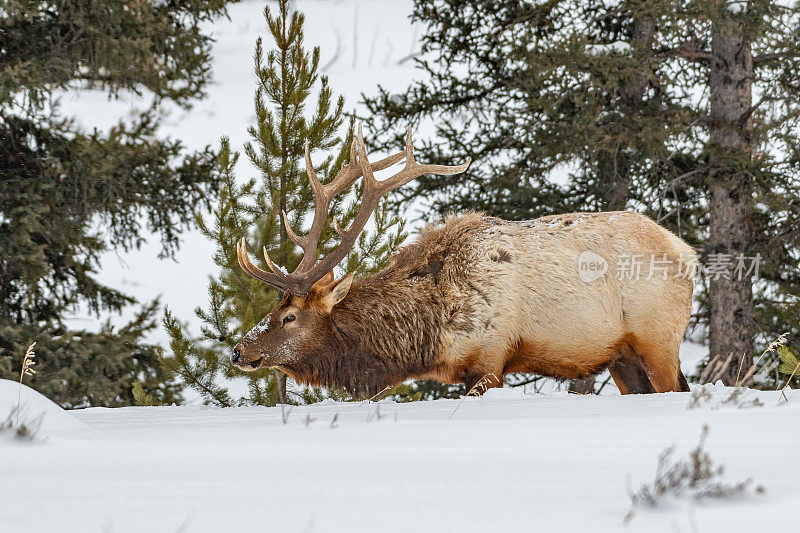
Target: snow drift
<point>34,405</point>
<point>508,461</point>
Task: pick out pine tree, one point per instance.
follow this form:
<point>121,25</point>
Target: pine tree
<point>59,181</point>
<point>545,89</point>
<point>287,78</point>
<point>650,105</point>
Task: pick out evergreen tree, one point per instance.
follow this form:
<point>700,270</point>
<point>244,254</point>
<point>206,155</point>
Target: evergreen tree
<point>650,107</point>
<point>287,77</point>
<point>545,90</point>
<point>59,182</point>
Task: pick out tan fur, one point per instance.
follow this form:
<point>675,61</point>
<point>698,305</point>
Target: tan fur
<point>533,313</point>
<point>478,295</point>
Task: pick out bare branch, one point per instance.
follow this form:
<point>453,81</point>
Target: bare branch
<point>693,54</point>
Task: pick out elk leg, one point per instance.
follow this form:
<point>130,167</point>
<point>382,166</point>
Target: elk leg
<point>630,375</point>
<point>662,364</point>
<point>684,385</point>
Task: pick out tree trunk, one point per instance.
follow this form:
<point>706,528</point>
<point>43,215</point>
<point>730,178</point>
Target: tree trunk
<point>730,196</point>
<point>283,257</point>
<point>283,260</point>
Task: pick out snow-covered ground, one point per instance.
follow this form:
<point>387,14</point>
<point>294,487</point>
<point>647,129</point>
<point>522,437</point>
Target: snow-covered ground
<point>504,462</point>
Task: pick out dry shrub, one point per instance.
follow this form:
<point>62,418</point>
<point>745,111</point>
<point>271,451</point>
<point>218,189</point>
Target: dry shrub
<point>696,477</point>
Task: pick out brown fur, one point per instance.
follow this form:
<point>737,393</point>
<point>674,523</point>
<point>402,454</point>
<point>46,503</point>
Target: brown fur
<point>480,296</point>
<point>629,372</point>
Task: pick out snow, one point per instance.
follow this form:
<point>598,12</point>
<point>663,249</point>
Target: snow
<point>736,7</point>
<point>692,354</point>
<point>619,47</point>
<point>507,461</point>
<point>259,328</point>
<point>34,405</point>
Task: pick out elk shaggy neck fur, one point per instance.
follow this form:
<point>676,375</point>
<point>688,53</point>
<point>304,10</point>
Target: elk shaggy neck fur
<point>391,324</point>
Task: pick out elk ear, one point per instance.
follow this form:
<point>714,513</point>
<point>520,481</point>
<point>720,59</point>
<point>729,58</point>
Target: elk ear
<point>336,291</point>
<point>327,279</point>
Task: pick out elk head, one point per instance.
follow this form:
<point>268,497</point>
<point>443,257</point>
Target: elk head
<point>301,325</point>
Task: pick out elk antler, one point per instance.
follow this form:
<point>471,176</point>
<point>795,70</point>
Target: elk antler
<point>307,272</point>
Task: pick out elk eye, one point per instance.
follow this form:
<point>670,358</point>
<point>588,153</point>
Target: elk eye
<point>288,318</point>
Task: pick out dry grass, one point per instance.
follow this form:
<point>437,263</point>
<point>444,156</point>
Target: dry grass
<point>696,477</point>
<point>27,370</point>
<point>285,413</point>
<point>483,384</point>
<point>375,414</point>
<point>715,369</point>
<point>718,367</point>
<point>25,430</point>
<point>372,398</point>
<point>739,398</point>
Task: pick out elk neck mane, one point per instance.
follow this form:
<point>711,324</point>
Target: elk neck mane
<point>390,325</point>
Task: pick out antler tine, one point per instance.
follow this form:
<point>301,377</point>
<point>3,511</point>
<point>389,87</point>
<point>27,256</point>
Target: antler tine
<point>322,201</point>
<point>409,147</point>
<point>373,191</point>
<point>353,151</point>
<point>307,272</point>
<point>298,240</point>
<point>337,228</point>
<point>270,264</point>
<point>370,183</point>
<point>351,171</point>
<point>413,170</point>
<point>323,194</point>
<point>275,278</point>
<point>322,198</point>
<point>312,174</point>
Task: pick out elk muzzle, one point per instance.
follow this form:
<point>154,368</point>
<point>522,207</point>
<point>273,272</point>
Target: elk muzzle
<point>243,362</point>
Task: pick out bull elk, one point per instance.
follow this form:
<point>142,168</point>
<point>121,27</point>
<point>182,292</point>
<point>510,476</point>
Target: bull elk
<point>475,296</point>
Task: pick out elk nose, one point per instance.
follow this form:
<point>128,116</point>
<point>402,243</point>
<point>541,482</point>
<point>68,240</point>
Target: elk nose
<point>235,356</point>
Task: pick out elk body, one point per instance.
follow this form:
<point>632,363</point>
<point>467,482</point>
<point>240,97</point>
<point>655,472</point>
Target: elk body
<point>477,297</point>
